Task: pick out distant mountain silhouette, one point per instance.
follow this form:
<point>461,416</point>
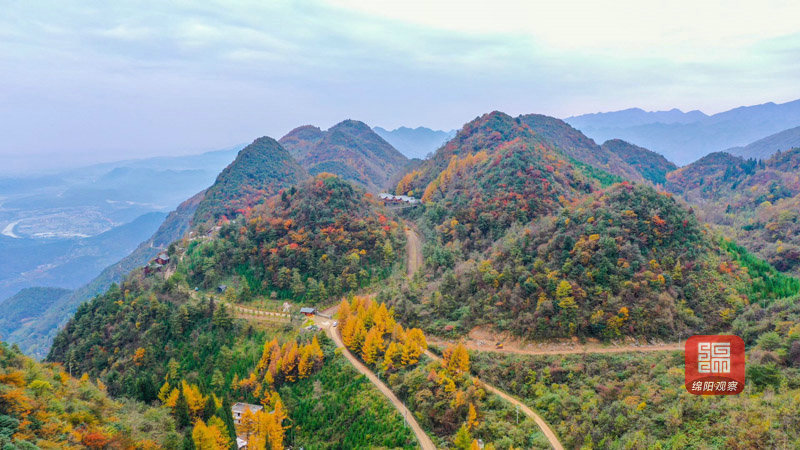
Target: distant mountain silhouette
<point>768,146</point>
<point>632,117</point>
<point>683,140</point>
<point>415,142</point>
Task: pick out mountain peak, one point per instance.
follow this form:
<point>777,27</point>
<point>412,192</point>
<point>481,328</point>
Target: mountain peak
<point>304,130</point>
<point>352,125</point>
<point>261,169</point>
<point>350,149</point>
<point>577,145</point>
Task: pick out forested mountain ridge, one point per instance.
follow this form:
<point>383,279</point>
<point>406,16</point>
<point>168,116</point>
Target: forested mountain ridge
<point>325,227</point>
<point>321,239</point>
<point>484,133</point>
<point>622,261</point>
<point>154,336</point>
<point>517,232</point>
<point>519,236</point>
<point>261,169</point>
<point>577,146</point>
<point>756,200</point>
<point>487,131</point>
<point>350,149</point>
<point>651,165</point>
<point>494,173</point>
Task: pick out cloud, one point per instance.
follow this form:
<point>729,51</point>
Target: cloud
<point>140,78</point>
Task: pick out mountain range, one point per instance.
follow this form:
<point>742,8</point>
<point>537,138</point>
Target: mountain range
<point>531,232</point>
<point>415,142</point>
<point>686,137</point>
<point>259,170</point>
<point>356,153</point>
<point>768,146</point>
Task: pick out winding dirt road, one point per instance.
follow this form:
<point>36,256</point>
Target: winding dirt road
<point>544,426</point>
<point>556,349</point>
<point>413,251</point>
<point>414,262</point>
<point>424,440</point>
<point>325,323</point>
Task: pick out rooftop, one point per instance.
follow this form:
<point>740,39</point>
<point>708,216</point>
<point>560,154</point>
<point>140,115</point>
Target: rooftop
<point>241,407</point>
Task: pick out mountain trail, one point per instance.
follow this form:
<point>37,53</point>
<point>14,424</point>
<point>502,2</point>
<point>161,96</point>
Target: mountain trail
<point>414,262</point>
<point>413,251</point>
<point>544,426</point>
<point>424,440</point>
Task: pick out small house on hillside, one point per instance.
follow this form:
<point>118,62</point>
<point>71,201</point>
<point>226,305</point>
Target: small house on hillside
<point>391,199</point>
<point>222,288</point>
<point>162,258</point>
<point>238,410</point>
<point>152,268</point>
<point>308,312</point>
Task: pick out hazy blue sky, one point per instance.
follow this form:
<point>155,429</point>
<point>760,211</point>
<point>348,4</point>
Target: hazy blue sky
<point>103,80</point>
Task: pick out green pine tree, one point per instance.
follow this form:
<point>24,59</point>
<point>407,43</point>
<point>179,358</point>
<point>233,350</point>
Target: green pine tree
<point>188,442</point>
<point>225,413</point>
<point>181,411</point>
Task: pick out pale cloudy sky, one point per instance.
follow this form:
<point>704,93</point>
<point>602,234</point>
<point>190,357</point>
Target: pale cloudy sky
<point>85,81</point>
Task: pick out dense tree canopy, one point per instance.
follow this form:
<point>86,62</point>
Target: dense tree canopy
<point>320,240</point>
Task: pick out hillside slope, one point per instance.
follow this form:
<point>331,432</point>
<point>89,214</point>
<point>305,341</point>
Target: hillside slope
<point>27,305</point>
<point>44,407</point>
<point>349,149</point>
<point>494,173</point>
<point>577,146</point>
<point>757,202</point>
<point>651,165</point>
<point>322,239</point>
<point>622,261</point>
<point>260,170</point>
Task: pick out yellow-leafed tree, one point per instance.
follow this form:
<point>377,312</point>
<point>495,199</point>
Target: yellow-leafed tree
<point>456,359</point>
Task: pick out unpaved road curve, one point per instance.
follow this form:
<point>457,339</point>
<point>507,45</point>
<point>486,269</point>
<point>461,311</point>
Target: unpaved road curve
<point>414,262</point>
<point>424,440</point>
<point>544,426</point>
<point>413,251</point>
<point>583,349</point>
